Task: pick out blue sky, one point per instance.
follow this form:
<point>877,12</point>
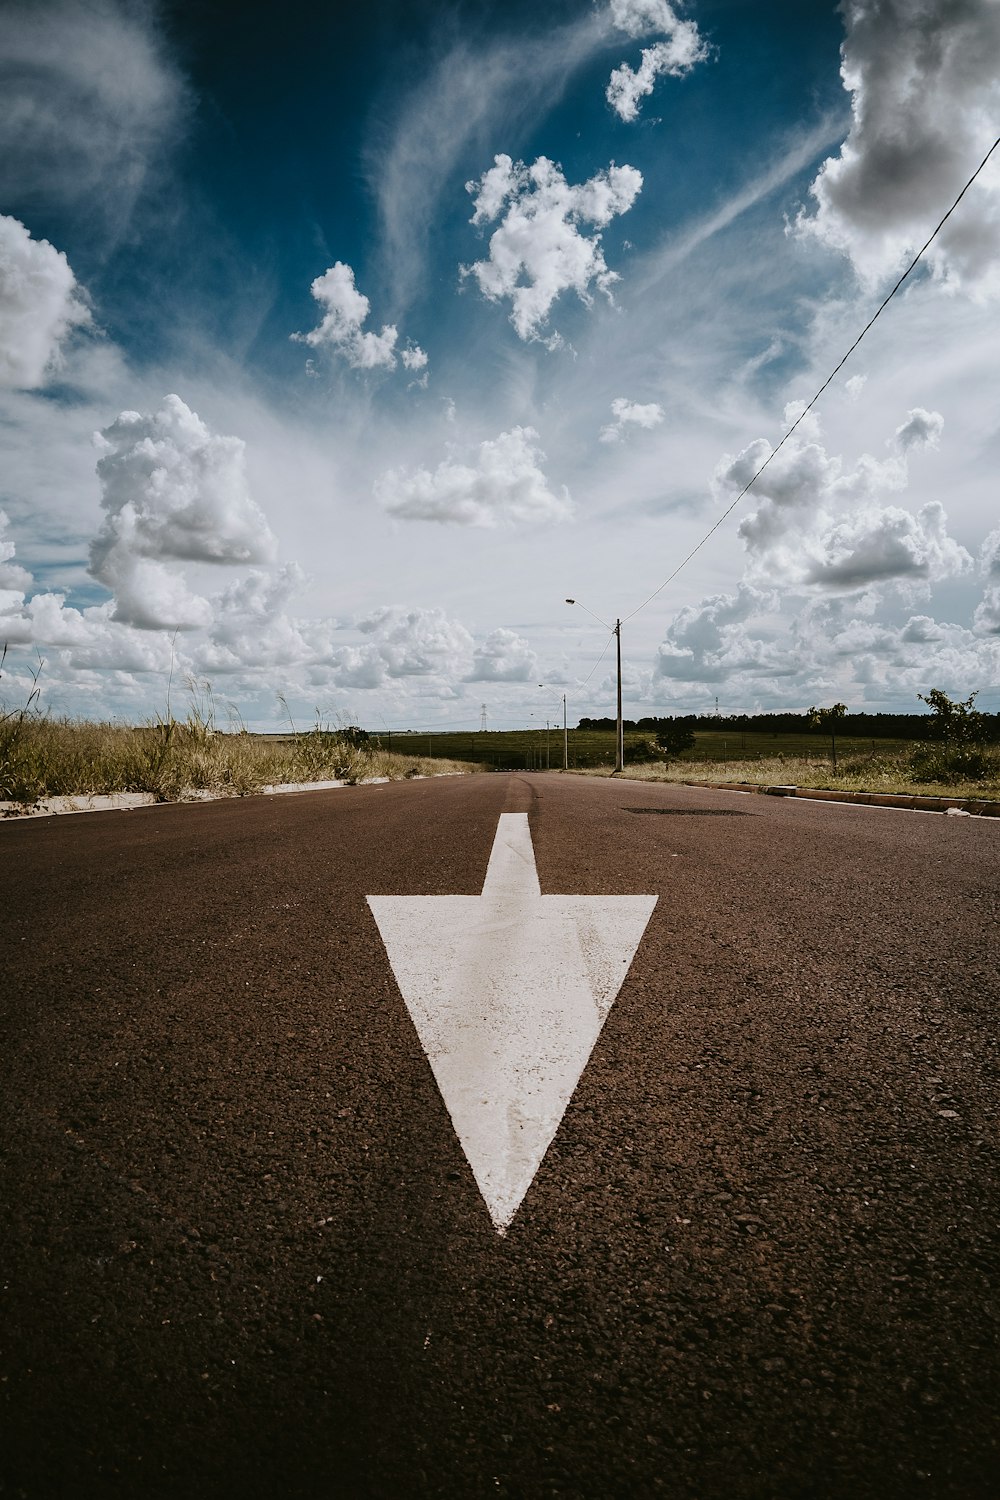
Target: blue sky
<point>339,345</point>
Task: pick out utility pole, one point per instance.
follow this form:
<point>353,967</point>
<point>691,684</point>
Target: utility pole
<point>619,736</point>
<point>619,733</point>
<point>565,738</point>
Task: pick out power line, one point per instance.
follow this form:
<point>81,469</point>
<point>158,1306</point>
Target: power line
<point>775,451</point>
<point>597,663</point>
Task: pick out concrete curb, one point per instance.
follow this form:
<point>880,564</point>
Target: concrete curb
<point>977,807</point>
<point>53,807</point>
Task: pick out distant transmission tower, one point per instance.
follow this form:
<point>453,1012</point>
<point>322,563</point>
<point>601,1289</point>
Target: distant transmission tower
<point>482,720</point>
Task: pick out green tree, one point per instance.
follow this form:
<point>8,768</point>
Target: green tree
<point>828,719</point>
<point>954,722</point>
<point>673,739</point>
<point>956,731</point>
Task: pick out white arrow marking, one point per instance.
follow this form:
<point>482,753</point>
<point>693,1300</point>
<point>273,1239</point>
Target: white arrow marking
<point>508,992</point>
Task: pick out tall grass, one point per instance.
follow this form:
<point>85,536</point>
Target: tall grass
<point>43,757</point>
<point>902,774</point>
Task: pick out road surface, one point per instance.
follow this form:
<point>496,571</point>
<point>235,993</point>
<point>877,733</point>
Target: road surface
<point>243,1253</point>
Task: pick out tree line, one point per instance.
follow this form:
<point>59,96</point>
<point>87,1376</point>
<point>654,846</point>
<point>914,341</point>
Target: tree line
<point>917,726</point>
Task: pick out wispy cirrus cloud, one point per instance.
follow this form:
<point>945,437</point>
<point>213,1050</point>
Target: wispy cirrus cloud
<point>92,101</point>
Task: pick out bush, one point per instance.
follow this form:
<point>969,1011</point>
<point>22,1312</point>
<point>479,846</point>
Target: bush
<point>641,751</point>
<point>951,763</point>
<point>674,739</point>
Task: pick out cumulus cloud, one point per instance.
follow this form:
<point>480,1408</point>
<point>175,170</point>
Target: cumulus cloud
<point>406,643</point>
<point>990,554</point>
<point>539,251</point>
<point>925,97</point>
<point>630,414</point>
<point>345,310</point>
<point>172,492</point>
<point>45,619</point>
<point>986,619</point>
<point>819,525</point>
<point>987,616</point>
<point>251,626</point>
<point>873,546</point>
<point>504,485</point>
<point>504,656</point>
<point>921,429</point>
<point>681,50</point>
<point>91,101</point>
<point>829,650</point>
<point>665,59</point>
<point>642,17</point>
<point>708,642</point>
<point>12,576</point>
<point>40,304</point>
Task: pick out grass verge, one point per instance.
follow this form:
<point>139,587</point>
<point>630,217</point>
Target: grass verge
<point>43,757</point>
<point>864,775</point>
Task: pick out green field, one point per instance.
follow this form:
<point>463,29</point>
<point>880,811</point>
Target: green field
<point>540,749</point>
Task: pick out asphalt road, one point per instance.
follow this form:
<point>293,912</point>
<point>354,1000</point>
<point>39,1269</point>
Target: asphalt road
<point>242,1254</point>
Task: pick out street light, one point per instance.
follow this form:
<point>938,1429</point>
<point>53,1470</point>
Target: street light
<point>565,729</point>
<point>616,631</point>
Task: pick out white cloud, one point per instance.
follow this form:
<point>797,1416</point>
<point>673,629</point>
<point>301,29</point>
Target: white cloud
<point>921,429</point>
<point>12,575</point>
<point>925,99</point>
<point>681,50</point>
<point>819,525</point>
<point>986,619</point>
<point>504,486</point>
<point>987,616</point>
<point>642,17</point>
<point>345,310</point>
<point>670,59</point>
<point>504,656</point>
<point>40,304</point>
<point>630,414</point>
<point>406,643</point>
<point>251,627</point>
<point>539,251</point>
<point>890,543</point>
<point>735,643</point>
<point>172,492</point>
<point>453,111</point>
<point>89,103</point>
<point>707,642</point>
<point>990,554</point>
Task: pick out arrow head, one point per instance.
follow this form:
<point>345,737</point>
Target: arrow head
<point>509,991</point>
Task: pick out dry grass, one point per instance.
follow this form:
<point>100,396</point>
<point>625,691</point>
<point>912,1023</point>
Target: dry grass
<point>42,757</point>
<point>867,774</point>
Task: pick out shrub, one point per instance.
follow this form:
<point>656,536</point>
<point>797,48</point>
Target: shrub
<point>951,763</point>
<point>674,739</point>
